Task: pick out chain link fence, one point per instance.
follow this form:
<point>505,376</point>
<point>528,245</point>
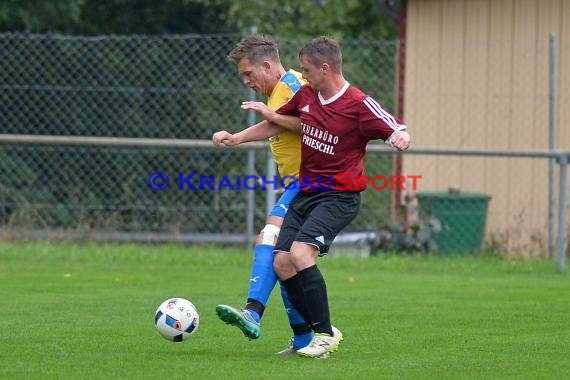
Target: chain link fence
<point>167,87</point>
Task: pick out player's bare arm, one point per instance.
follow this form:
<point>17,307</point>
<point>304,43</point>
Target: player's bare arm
<point>257,132</point>
<point>288,122</point>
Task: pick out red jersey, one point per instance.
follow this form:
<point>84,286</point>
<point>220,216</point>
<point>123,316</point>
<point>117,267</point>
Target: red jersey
<point>334,135</point>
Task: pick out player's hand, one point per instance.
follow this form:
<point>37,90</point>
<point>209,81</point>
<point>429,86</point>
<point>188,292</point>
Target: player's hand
<point>400,140</point>
<point>260,108</point>
<point>224,138</point>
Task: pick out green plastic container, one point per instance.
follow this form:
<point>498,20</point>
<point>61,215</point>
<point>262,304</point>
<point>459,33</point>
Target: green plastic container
<point>463,217</point>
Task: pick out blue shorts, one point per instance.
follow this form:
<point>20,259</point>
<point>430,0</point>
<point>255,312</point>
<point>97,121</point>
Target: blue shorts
<point>282,205</point>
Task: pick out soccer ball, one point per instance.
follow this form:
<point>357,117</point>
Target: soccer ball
<point>176,319</point>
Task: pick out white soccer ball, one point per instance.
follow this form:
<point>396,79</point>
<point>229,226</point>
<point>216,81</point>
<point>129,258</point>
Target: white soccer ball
<point>176,319</point>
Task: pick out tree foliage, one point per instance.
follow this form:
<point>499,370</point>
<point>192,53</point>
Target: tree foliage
<point>340,18</point>
<point>146,87</point>
<point>40,16</point>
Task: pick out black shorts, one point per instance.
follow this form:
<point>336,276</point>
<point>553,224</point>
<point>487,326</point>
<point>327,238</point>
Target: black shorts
<point>316,218</point>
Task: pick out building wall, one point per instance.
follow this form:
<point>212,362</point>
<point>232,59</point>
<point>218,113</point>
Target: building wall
<point>476,76</point>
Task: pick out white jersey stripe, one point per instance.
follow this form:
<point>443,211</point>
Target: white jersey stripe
<point>377,110</point>
<point>380,112</point>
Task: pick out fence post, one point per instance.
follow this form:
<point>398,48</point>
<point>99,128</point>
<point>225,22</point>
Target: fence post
<point>270,190</point>
<point>562,195</point>
<point>551,138</point>
<point>250,171</point>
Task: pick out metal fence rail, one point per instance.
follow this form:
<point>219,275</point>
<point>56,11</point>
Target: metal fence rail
<point>168,88</point>
<point>131,206</point>
<point>562,158</point>
<point>87,120</point>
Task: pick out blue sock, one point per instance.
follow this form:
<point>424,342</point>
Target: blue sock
<point>300,340</point>
<point>254,315</point>
<point>263,277</point>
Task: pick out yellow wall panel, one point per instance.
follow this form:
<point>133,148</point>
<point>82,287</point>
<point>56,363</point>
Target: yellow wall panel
<point>477,76</point>
<point>523,121</point>
<point>499,115</point>
<point>411,74</point>
<point>549,16</point>
<point>450,126</point>
<point>474,96</point>
<point>422,87</point>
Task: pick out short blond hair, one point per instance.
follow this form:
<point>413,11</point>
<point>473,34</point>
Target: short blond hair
<point>256,48</point>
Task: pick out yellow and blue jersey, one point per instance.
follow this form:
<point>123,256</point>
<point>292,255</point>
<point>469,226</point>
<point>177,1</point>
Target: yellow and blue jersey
<point>286,146</point>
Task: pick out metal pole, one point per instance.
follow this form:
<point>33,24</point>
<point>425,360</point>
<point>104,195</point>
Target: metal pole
<point>562,196</point>
<point>551,138</point>
<point>250,170</point>
<point>250,239</point>
<point>271,188</point>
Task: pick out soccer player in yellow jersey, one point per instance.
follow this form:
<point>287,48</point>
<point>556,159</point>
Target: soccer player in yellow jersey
<point>258,62</point>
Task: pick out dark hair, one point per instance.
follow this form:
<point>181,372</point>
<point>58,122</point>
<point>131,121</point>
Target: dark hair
<point>256,48</point>
<point>323,50</point>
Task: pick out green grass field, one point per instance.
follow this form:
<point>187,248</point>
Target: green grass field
<point>86,312</point>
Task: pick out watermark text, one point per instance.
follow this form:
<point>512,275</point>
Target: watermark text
<point>193,181</point>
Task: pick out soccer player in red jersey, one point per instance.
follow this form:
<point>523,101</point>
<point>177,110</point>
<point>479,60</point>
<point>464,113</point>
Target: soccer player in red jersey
<point>337,122</point>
